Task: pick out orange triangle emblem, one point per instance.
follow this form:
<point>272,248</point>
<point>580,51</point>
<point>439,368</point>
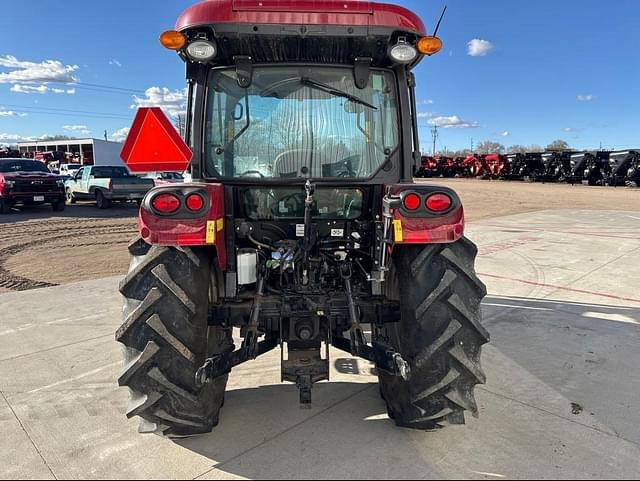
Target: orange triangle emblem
<point>154,145</point>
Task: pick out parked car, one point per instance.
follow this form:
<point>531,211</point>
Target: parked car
<point>29,182</point>
<point>106,185</point>
<point>164,178</point>
<point>70,169</point>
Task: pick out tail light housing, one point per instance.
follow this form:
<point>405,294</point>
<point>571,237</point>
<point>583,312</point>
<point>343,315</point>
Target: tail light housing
<point>425,214</point>
<point>185,215</point>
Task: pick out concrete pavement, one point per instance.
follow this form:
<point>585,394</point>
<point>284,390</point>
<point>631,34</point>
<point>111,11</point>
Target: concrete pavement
<point>562,400</point>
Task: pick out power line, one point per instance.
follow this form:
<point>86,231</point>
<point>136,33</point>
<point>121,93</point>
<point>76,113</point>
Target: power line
<point>90,86</point>
<point>30,109</point>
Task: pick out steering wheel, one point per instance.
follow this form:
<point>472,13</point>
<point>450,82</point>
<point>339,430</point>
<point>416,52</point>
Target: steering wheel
<point>253,173</point>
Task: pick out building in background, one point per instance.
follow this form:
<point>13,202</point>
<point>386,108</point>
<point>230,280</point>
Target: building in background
<point>81,151</point>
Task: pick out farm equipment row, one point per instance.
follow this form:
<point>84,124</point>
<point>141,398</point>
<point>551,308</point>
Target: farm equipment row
<point>590,168</point>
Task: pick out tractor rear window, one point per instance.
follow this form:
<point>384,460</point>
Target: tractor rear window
<point>300,122</point>
<point>110,173</point>
<point>288,203</point>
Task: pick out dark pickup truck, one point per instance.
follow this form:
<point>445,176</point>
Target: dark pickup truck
<point>29,182</point>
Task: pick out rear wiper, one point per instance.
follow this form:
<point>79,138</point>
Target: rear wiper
<point>338,93</point>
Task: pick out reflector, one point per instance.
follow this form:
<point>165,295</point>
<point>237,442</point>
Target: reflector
<point>154,145</point>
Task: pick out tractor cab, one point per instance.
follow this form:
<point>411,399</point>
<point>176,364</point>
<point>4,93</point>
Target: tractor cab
<point>302,223</point>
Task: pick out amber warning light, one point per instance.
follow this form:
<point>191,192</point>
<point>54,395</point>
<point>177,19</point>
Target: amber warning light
<point>154,145</point>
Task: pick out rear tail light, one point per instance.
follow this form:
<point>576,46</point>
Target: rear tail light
<point>438,203</point>
<point>195,202</point>
<point>166,203</point>
<point>412,201</point>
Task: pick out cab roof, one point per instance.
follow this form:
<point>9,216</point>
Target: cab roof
<point>352,13</point>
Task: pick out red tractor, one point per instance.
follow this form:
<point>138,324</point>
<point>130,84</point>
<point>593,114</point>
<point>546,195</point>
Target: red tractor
<point>302,228</point>
<point>478,165</point>
<point>428,167</point>
<point>495,165</point>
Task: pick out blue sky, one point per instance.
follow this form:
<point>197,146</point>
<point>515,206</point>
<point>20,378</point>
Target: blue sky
<point>564,69</point>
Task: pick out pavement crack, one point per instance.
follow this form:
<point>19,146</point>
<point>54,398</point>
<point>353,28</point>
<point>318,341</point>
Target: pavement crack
<point>596,269</point>
<point>523,403</point>
<point>289,429</point>
<point>55,348</point>
<point>24,429</point>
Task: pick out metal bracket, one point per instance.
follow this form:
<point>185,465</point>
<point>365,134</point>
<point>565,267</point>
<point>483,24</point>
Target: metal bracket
<point>362,71</point>
<point>244,70</point>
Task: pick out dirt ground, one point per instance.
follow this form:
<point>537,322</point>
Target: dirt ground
<point>40,249</point>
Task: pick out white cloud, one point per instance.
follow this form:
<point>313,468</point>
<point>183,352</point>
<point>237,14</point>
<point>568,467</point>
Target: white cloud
<point>120,135</point>
<point>9,137</point>
<point>11,113</point>
<point>115,62</point>
<point>79,129</point>
<point>586,98</point>
<point>425,102</point>
<point>506,133</point>
<point>479,48</point>
<point>173,103</point>
<point>32,72</point>
<point>453,122</point>
<point>426,115</point>
<point>27,89</point>
<point>41,90</point>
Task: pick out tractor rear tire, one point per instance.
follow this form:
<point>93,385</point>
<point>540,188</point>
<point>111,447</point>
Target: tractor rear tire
<point>440,335</point>
<point>167,338</point>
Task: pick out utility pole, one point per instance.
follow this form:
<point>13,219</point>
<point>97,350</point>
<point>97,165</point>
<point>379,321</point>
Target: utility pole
<point>434,134</point>
<point>472,145</point>
<point>106,137</point>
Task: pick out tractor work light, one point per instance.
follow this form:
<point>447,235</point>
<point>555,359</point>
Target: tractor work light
<point>202,51</point>
<point>403,52</point>
<point>429,45</point>
<point>173,40</point>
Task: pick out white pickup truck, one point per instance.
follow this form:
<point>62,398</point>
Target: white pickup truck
<point>106,185</point>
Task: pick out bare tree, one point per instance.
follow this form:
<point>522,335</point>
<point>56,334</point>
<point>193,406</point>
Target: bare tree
<point>490,147</point>
<point>181,124</point>
<point>518,149</point>
<point>559,145</point>
<point>52,138</point>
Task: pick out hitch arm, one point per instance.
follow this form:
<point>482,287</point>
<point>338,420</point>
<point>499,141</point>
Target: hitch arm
<point>384,357</point>
<point>222,364</point>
